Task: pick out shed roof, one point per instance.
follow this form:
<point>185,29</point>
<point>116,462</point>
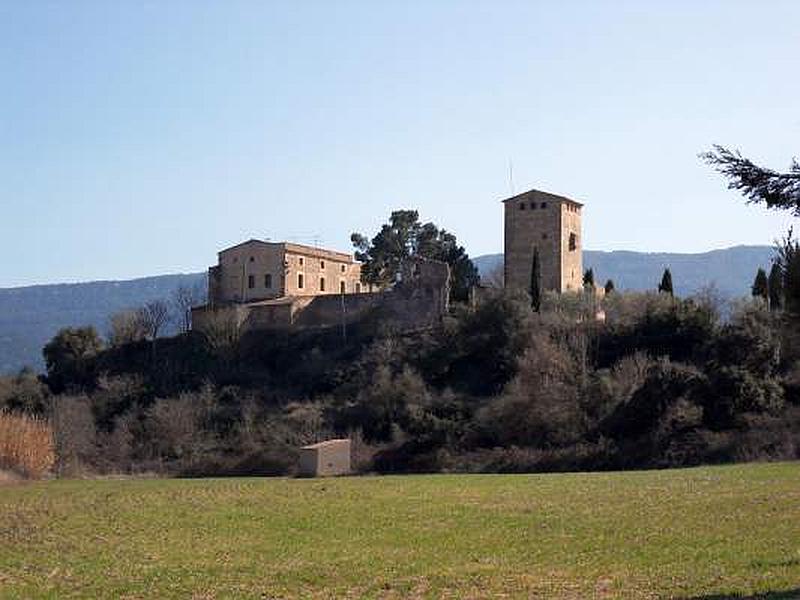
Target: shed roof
<point>326,443</point>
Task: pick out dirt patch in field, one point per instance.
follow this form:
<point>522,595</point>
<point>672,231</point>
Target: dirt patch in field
<point>7,477</point>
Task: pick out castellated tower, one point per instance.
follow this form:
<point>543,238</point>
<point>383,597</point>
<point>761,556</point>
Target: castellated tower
<point>552,224</point>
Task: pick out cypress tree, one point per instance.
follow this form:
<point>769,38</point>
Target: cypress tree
<point>609,286</point>
<point>536,281</point>
<point>760,287</point>
<point>588,278</point>
<point>775,285</point>
<point>666,283</point>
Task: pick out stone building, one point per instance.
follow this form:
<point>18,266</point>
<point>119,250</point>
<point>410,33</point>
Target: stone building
<point>263,285</point>
<point>325,459</point>
<point>255,270</point>
<point>551,223</point>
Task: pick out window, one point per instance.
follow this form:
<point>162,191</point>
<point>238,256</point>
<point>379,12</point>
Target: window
<point>321,284</point>
<point>252,259</point>
<point>251,281</point>
<point>322,264</point>
<point>544,236</point>
<point>300,281</point>
<point>341,287</point>
<point>268,281</point>
<point>344,268</point>
<point>573,241</point>
<point>301,261</point>
<point>358,288</point>
<point>522,206</point>
<point>544,205</point>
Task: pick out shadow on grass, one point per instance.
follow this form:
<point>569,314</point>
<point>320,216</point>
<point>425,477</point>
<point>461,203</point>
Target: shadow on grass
<point>784,595</point>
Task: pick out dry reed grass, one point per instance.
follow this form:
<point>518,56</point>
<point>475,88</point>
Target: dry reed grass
<point>26,444</point>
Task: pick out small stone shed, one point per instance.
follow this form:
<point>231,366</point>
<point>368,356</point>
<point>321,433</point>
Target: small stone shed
<point>331,457</point>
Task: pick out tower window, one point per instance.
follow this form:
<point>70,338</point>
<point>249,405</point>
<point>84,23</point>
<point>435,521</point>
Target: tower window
<point>300,281</point>
<point>301,261</point>
<point>343,268</point>
<point>322,264</point>
<point>321,284</point>
<point>268,281</point>
<point>573,241</point>
<point>251,281</point>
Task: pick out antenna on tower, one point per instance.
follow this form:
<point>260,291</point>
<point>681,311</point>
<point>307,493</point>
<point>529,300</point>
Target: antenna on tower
<point>510,176</point>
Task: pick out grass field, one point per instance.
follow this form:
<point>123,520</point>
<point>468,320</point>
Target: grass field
<point>696,533</point>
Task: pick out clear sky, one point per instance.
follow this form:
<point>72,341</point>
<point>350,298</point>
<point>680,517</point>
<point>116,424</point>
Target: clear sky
<point>138,138</point>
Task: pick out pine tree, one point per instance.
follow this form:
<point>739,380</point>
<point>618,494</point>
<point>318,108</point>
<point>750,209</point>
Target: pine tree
<point>609,286</point>
<point>758,184</point>
<point>775,286</point>
<point>666,283</point>
<point>536,281</point>
<point>588,278</point>
<point>760,287</point>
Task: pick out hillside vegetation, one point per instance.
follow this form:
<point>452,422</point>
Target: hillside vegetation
<point>30,316</point>
<point>663,382</point>
<point>697,533</point>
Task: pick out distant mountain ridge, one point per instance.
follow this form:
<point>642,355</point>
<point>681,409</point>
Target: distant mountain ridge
<point>30,316</point>
<point>730,270</point>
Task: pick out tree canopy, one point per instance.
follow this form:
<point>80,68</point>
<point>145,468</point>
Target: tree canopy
<point>758,184</point>
<point>404,237</point>
<point>666,283</point>
<point>760,288</point>
<point>536,281</point>
<point>69,357</point>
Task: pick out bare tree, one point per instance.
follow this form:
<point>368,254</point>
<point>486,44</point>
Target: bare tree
<point>153,317</point>
<point>126,327</point>
<point>184,298</point>
<point>223,329</point>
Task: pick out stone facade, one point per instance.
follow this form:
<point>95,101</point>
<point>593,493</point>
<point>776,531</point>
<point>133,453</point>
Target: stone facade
<point>419,299</point>
<point>551,223</point>
<point>255,271</point>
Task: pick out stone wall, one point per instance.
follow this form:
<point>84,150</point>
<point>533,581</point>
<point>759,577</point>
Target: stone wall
<point>419,300</point>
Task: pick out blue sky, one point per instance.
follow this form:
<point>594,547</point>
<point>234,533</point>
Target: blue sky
<point>138,138</point>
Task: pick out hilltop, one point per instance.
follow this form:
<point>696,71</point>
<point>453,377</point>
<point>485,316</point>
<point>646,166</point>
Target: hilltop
<point>30,316</point>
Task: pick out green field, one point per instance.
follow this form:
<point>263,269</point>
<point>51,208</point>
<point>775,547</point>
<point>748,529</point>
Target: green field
<point>695,533</point>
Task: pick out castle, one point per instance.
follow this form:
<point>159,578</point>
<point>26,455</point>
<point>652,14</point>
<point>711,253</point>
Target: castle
<point>551,224</point>
<point>282,284</point>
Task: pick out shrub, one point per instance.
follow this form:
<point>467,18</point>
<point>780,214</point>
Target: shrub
<point>24,393</point>
<point>75,435</point>
<point>734,391</point>
<point>477,353</point>
<point>26,444</point>
<point>542,406</point>
<point>71,358</point>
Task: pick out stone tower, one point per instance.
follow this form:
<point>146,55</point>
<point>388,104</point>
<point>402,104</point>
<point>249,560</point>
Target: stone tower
<point>553,225</point>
